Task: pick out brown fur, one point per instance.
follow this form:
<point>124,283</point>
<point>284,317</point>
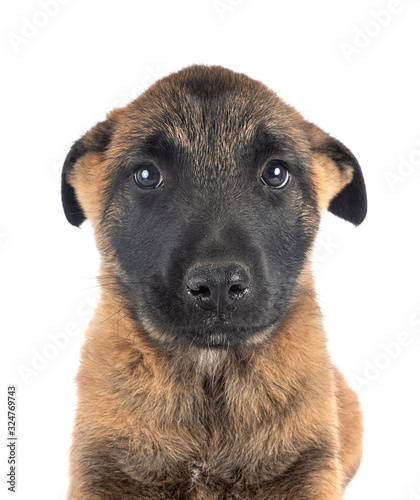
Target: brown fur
<point>205,424</point>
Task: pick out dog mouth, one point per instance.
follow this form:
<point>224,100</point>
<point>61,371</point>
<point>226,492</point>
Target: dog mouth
<point>223,337</point>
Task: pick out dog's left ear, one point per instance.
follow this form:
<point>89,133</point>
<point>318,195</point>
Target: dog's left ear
<point>96,140</point>
<point>342,172</point>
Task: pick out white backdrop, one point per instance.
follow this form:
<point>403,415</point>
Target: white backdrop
<point>352,67</point>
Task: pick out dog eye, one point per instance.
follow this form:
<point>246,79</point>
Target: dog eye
<point>275,174</point>
<point>148,176</point>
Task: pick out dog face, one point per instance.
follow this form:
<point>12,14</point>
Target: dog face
<point>205,194</point>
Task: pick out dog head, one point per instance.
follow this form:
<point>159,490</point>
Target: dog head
<point>205,194</point>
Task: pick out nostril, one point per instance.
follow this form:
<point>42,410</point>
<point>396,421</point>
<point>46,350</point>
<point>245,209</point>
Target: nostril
<point>238,290</point>
<point>200,291</point>
<point>217,287</point>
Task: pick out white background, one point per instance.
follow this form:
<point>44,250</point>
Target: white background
<point>82,59</point>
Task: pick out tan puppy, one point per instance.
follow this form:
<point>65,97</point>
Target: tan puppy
<point>204,374</point>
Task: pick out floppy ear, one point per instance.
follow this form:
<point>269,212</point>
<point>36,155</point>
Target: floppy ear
<point>96,140</point>
<point>350,202</point>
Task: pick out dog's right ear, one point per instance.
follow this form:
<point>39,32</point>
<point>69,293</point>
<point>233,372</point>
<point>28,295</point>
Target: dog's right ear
<point>95,141</point>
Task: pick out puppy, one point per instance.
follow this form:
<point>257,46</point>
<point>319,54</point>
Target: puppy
<point>204,373</point>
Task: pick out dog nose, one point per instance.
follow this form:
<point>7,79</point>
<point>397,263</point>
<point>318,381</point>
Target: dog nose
<point>218,287</point>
